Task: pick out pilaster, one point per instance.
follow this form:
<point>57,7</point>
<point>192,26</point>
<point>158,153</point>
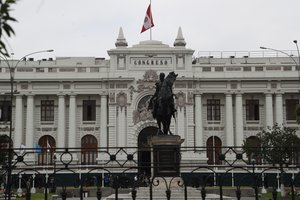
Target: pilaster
<point>18,136</point>
<point>229,120</point>
<point>29,122</point>
<point>61,122</point>
<point>278,109</point>
<point>239,131</point>
<point>121,133</point>
<point>72,124</point>
<point>103,121</point>
<point>198,121</point>
<point>268,110</point>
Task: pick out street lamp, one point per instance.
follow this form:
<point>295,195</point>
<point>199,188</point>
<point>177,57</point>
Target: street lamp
<point>295,41</point>
<point>12,68</point>
<point>290,56</point>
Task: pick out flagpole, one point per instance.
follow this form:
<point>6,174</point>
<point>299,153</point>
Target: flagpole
<point>151,27</point>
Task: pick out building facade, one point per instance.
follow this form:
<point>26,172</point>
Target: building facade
<point>92,102</point>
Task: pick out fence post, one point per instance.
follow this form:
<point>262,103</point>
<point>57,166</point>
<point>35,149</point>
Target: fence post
<point>220,185</point>
<point>203,193</point>
<point>185,192</point>
<point>46,186</point>
<point>168,194</point>
<point>292,190</point>
<point>150,189</point>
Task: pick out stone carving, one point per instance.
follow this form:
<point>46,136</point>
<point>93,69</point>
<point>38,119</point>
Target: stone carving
<point>121,99</point>
<point>150,78</point>
<point>112,97</point>
<point>142,113</point>
<point>181,102</point>
<point>190,98</point>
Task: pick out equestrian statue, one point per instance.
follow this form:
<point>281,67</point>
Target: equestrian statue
<point>162,103</point>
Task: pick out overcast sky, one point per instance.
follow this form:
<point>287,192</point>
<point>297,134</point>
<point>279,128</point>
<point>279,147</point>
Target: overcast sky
<point>90,27</point>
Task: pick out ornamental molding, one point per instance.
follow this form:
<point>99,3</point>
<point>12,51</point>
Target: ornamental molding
<point>180,99</point>
<point>121,99</point>
<point>148,82</point>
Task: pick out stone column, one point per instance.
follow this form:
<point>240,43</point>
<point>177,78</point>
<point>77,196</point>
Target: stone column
<point>198,121</point>
<point>181,124</point>
<point>229,120</point>
<point>268,110</point>
<point>279,109</point>
<point>103,121</point>
<point>61,122</point>
<point>121,134</point>
<point>72,124</point>
<point>29,122</point>
<point>18,136</point>
<point>239,130</point>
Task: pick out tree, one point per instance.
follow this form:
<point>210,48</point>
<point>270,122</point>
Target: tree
<point>4,144</point>
<point>5,21</point>
<point>277,145</point>
<point>252,148</point>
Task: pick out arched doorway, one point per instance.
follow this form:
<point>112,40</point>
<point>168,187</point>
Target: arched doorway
<point>214,150</point>
<point>144,151</point>
<point>47,150</point>
<point>89,147</point>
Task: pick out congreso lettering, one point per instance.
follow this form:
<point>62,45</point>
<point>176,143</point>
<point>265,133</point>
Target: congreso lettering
<point>150,62</point>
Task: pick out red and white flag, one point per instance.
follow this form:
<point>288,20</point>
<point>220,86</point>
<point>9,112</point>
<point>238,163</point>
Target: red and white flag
<point>148,21</point>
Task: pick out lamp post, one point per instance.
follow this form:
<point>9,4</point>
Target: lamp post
<point>296,43</point>
<point>290,56</point>
<point>12,68</point>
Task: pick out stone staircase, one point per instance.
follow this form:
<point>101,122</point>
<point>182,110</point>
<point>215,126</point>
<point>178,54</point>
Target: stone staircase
<point>160,194</point>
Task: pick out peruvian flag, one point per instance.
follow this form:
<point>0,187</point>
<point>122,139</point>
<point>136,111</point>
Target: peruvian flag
<point>148,21</point>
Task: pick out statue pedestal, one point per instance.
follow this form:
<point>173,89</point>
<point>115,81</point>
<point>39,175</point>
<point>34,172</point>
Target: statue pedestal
<point>166,155</point>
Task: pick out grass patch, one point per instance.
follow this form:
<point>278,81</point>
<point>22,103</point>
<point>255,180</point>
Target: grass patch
<point>36,196</point>
<point>270,196</point>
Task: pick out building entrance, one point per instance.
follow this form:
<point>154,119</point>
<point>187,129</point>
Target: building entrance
<point>144,151</point>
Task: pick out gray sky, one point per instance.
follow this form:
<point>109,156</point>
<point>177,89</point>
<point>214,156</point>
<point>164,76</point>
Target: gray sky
<point>90,27</point>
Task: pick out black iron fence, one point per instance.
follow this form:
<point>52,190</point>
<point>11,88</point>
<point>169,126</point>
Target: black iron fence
<point>67,172</point>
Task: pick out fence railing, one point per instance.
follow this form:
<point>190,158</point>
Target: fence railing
<point>131,170</point>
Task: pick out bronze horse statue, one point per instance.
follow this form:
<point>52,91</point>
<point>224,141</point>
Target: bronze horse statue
<point>162,103</point>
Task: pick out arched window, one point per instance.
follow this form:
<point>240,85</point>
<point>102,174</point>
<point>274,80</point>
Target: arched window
<point>214,150</point>
<point>46,149</point>
<point>89,146</point>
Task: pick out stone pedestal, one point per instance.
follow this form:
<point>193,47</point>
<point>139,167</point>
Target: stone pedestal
<point>166,155</point>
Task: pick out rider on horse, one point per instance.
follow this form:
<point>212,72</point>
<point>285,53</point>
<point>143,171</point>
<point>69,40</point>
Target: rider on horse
<point>162,103</point>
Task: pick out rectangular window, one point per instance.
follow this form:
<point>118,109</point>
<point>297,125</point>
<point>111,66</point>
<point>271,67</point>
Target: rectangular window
<point>213,109</point>
<point>47,110</point>
<point>5,111</point>
<point>290,106</point>
<point>252,109</point>
<point>89,110</point>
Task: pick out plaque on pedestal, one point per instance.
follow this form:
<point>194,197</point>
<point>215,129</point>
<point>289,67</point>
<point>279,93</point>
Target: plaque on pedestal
<point>166,155</point>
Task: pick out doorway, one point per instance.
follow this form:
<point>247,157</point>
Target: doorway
<point>144,150</point>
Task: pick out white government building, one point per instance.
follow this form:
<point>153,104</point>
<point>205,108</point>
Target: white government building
<point>96,102</point>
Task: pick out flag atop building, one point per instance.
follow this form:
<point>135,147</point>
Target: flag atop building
<point>148,21</point>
